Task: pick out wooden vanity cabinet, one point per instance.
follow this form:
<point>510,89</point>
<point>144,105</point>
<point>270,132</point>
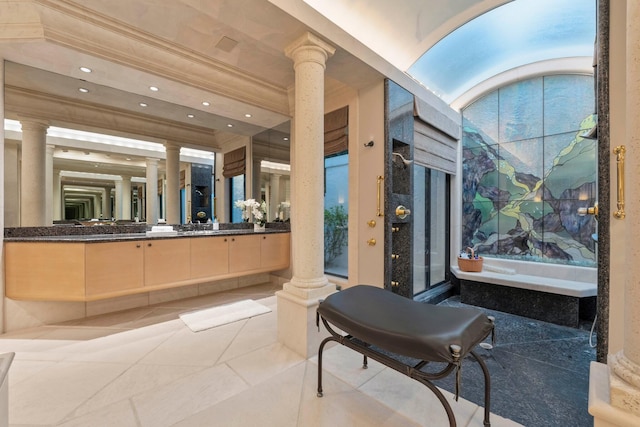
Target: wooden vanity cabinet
<point>209,257</point>
<point>113,267</point>
<point>81,271</point>
<point>244,253</point>
<point>275,251</point>
<point>166,261</point>
<point>44,271</point>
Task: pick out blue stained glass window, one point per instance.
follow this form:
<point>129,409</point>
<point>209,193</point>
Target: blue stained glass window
<point>520,197</point>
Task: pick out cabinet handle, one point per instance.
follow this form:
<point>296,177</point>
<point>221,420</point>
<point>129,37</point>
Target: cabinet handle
<point>149,244</point>
<point>225,239</point>
<point>264,237</point>
<point>138,245</point>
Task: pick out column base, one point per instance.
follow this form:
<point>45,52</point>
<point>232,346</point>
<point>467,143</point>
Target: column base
<point>624,380</point>
<point>297,318</point>
<point>600,406</point>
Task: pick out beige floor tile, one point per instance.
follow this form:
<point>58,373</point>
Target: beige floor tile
<point>264,363</point>
<point>496,421</point>
<point>342,405</point>
<point>188,348</point>
<point>22,370</point>
<point>257,332</point>
<point>346,364</point>
<point>136,380</point>
<point>56,391</point>
<point>121,414</point>
<point>174,402</point>
<point>272,403</point>
<point>145,368</point>
<point>415,400</point>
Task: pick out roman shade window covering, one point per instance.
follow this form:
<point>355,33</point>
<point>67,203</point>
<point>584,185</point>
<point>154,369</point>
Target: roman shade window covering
<point>235,162</point>
<point>435,138</point>
<point>336,131</point>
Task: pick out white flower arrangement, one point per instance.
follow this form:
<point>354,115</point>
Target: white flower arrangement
<point>255,208</point>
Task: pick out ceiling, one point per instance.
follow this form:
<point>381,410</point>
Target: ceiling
<point>229,53</point>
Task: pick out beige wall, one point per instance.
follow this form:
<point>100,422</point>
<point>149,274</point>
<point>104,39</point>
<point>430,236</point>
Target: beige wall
<point>618,136</point>
<point>368,164</point>
<point>366,123</point>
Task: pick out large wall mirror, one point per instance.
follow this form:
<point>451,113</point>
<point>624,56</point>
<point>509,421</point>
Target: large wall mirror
<point>272,171</point>
<point>99,134</point>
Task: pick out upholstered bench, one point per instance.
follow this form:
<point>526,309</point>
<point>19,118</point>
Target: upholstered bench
<point>391,329</point>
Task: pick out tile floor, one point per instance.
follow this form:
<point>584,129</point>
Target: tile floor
<point>539,371</point>
<point>145,368</point>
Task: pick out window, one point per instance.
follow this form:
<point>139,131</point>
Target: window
<point>430,229</point>
<point>527,170</point>
<point>336,209</point>
<point>237,193</point>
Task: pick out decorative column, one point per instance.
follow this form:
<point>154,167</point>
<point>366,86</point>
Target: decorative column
<point>151,192</point>
<point>11,177</point>
<point>57,195</point>
<point>106,203</point>
<point>33,189</point>
<point>125,198</point>
<point>274,195</point>
<point>49,190</point>
<point>625,365</point>
<point>117,200</point>
<point>299,298</point>
<point>173,183</point>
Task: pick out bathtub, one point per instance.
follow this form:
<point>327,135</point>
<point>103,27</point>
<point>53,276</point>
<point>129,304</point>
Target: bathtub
<point>561,294</point>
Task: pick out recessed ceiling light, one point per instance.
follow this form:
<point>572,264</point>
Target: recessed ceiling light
<point>143,104</point>
<point>85,69</point>
<point>191,116</point>
<point>128,158</point>
<point>206,103</point>
<point>285,138</point>
<point>229,125</point>
<point>247,115</point>
<point>153,88</point>
<point>83,90</point>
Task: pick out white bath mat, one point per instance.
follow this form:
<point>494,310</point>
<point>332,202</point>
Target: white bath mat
<point>223,314</point>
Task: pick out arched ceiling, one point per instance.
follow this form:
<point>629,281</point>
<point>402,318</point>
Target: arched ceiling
<point>451,47</point>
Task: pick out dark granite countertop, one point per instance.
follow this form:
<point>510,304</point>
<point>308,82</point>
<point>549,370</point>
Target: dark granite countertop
<point>123,233</point>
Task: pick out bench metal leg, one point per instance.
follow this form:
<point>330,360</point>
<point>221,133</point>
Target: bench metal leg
<point>487,388</point>
<point>322,344</point>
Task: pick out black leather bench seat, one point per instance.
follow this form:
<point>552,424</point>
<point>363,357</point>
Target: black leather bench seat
<point>377,321</point>
<point>403,326</point>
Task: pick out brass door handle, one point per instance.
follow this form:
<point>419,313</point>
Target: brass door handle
<point>379,195</point>
<point>371,242</point>
<point>619,151</point>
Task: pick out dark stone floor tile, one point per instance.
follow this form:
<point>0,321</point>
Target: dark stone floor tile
<point>572,354</point>
<point>539,372</point>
